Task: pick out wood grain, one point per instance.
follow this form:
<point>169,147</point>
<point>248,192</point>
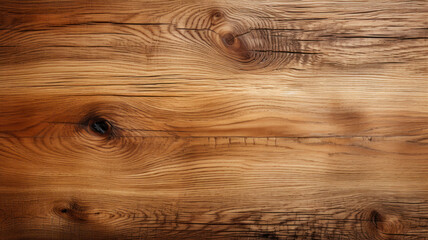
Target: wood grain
<point>213,119</point>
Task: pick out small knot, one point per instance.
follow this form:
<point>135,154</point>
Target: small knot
<point>385,225</point>
<point>235,47</point>
<point>376,219</point>
<point>216,17</point>
<point>73,211</point>
<point>100,126</point>
<point>228,39</point>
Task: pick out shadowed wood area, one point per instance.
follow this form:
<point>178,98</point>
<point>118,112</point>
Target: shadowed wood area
<point>214,119</point>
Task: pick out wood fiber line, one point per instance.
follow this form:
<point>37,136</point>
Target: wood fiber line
<point>213,119</point>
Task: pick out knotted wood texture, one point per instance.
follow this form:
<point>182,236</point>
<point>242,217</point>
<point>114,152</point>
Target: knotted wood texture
<point>213,119</point>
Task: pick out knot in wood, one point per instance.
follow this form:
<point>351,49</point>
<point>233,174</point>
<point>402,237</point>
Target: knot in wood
<point>72,211</point>
<point>385,225</point>
<point>229,39</point>
<point>100,126</point>
<point>235,47</point>
<point>216,17</point>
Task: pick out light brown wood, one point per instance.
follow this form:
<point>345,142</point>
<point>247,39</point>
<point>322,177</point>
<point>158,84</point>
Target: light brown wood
<point>214,119</point>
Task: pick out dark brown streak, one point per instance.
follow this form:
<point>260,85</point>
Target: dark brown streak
<point>283,51</point>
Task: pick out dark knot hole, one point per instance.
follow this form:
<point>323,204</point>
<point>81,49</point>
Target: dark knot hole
<point>229,39</point>
<point>377,219</point>
<point>100,126</point>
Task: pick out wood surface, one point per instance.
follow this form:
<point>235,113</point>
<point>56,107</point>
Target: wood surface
<point>146,119</point>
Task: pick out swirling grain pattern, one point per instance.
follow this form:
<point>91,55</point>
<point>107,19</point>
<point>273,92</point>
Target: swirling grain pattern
<point>208,119</point>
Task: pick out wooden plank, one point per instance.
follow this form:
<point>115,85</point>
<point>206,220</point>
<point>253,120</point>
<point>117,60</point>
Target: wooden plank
<point>213,119</point>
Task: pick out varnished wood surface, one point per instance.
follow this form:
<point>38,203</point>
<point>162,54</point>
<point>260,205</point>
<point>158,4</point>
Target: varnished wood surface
<point>214,119</point>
